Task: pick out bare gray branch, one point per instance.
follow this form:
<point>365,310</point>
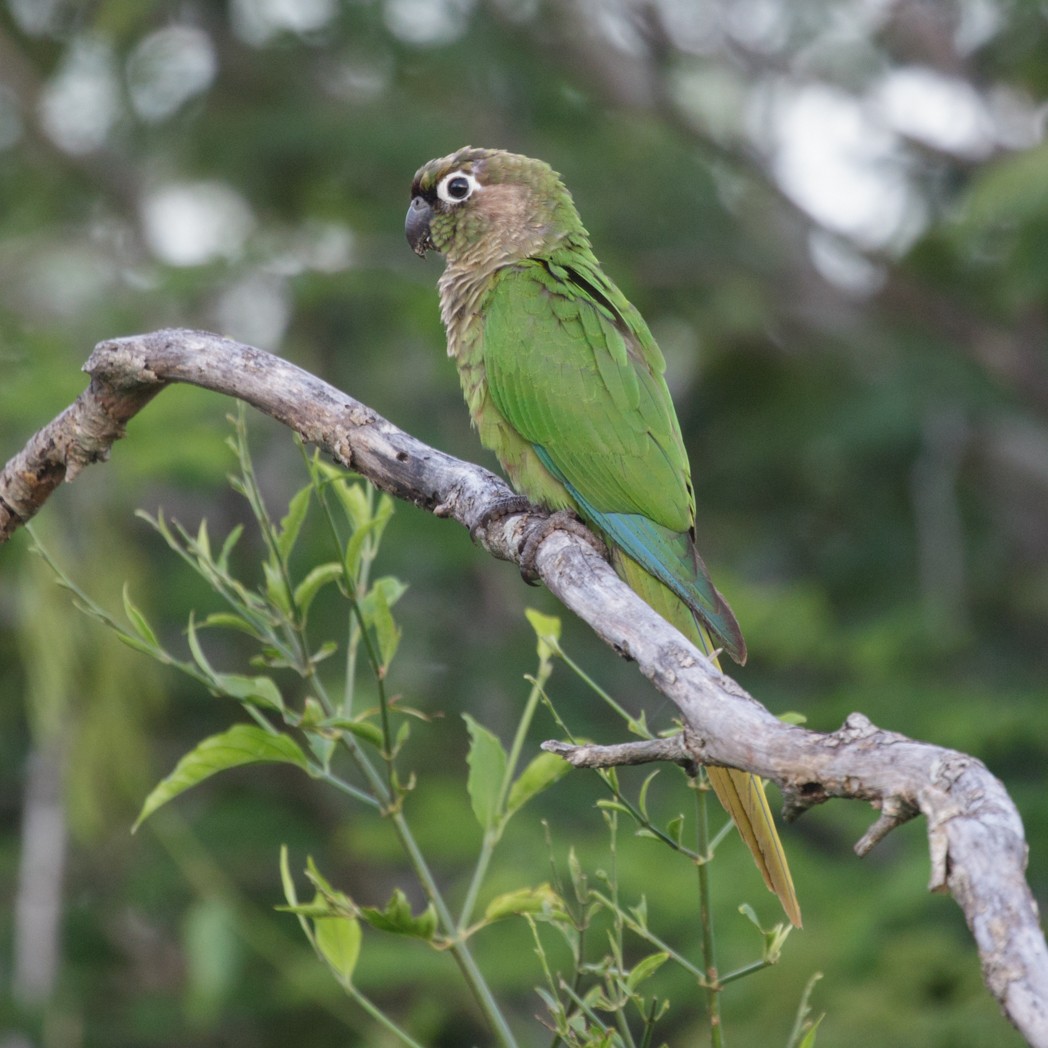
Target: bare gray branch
<point>978,850</point>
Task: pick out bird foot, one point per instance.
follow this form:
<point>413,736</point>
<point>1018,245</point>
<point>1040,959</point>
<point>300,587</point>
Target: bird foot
<point>505,507</point>
<point>561,520</point>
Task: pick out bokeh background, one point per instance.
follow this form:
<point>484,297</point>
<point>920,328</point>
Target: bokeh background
<point>834,215</point>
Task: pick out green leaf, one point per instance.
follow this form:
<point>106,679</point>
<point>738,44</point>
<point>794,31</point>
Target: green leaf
<point>639,726</point>
<point>375,609</point>
<point>291,525</point>
<point>276,586</point>
<point>403,733</point>
<point>203,543</point>
<point>640,912</point>
<point>365,524</point>
<point>286,879</point>
<point>138,620</point>
<point>642,798</point>
<point>809,1037</point>
<point>804,1030</point>
<point>241,744</point>
<point>325,651</point>
<point>398,918</point>
<point>646,968</point>
<point>338,940</point>
<point>675,829</point>
<point>339,904</point>
<point>228,620</point>
<point>751,915</point>
<point>227,547</point>
<point>542,771</point>
<point>196,651</point>
<point>259,691</point>
<point>355,503</point>
<point>487,773</point>
<point>540,899</point>
<point>367,731</point>
<point>314,582</point>
<point>362,729</point>
<point>547,629</point>
<point>774,937</point>
<point>578,876</point>
<point>135,643</point>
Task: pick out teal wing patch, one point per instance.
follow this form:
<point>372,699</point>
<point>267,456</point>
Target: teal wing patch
<point>668,556</point>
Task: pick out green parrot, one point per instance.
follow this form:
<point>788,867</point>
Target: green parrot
<point>564,382</point>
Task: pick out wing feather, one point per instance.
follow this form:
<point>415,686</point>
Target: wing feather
<point>573,369</point>
<point>588,387</point>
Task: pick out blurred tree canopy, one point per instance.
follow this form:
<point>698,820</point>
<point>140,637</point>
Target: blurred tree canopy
<point>833,214</point>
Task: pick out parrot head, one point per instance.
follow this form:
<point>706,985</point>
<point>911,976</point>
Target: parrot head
<point>487,207</point>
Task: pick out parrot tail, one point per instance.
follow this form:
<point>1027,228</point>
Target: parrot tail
<point>741,793</point>
<point>743,797</point>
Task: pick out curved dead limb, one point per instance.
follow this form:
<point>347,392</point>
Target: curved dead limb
<point>978,851</point>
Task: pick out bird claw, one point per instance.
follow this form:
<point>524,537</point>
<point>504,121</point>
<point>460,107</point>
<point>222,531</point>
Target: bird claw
<point>504,507</point>
<point>561,520</point>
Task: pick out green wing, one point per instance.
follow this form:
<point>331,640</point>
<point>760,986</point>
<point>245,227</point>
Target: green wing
<point>573,369</point>
<point>572,377</point>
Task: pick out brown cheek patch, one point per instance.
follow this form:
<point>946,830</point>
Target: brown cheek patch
<point>505,205</point>
<point>510,213</point>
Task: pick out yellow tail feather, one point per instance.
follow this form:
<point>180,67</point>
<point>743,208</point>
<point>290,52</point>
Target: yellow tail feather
<point>741,793</point>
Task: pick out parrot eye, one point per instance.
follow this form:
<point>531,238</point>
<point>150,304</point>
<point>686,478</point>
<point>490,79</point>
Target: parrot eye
<point>456,187</point>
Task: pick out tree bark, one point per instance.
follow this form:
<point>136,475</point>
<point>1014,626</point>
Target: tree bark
<point>978,850</point>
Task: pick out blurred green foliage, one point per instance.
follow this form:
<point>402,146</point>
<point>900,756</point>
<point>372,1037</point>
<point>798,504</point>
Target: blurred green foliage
<point>852,306</point>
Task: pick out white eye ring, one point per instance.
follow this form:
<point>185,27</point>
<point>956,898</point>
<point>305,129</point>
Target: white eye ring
<point>456,187</point>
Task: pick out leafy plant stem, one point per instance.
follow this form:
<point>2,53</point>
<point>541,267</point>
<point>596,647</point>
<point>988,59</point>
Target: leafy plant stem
<point>580,1002</point>
<point>349,789</point>
<point>596,688</point>
<point>457,945</point>
<point>648,936</point>
<point>534,696</point>
<point>709,959</point>
<point>378,1015</point>
<point>803,1032</point>
<point>491,836</point>
<point>384,797</point>
<point>385,789</point>
<point>642,820</point>
<point>739,973</point>
<point>357,629</point>
<point>248,486</point>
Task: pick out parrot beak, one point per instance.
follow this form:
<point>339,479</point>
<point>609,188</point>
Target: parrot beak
<point>416,226</point>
